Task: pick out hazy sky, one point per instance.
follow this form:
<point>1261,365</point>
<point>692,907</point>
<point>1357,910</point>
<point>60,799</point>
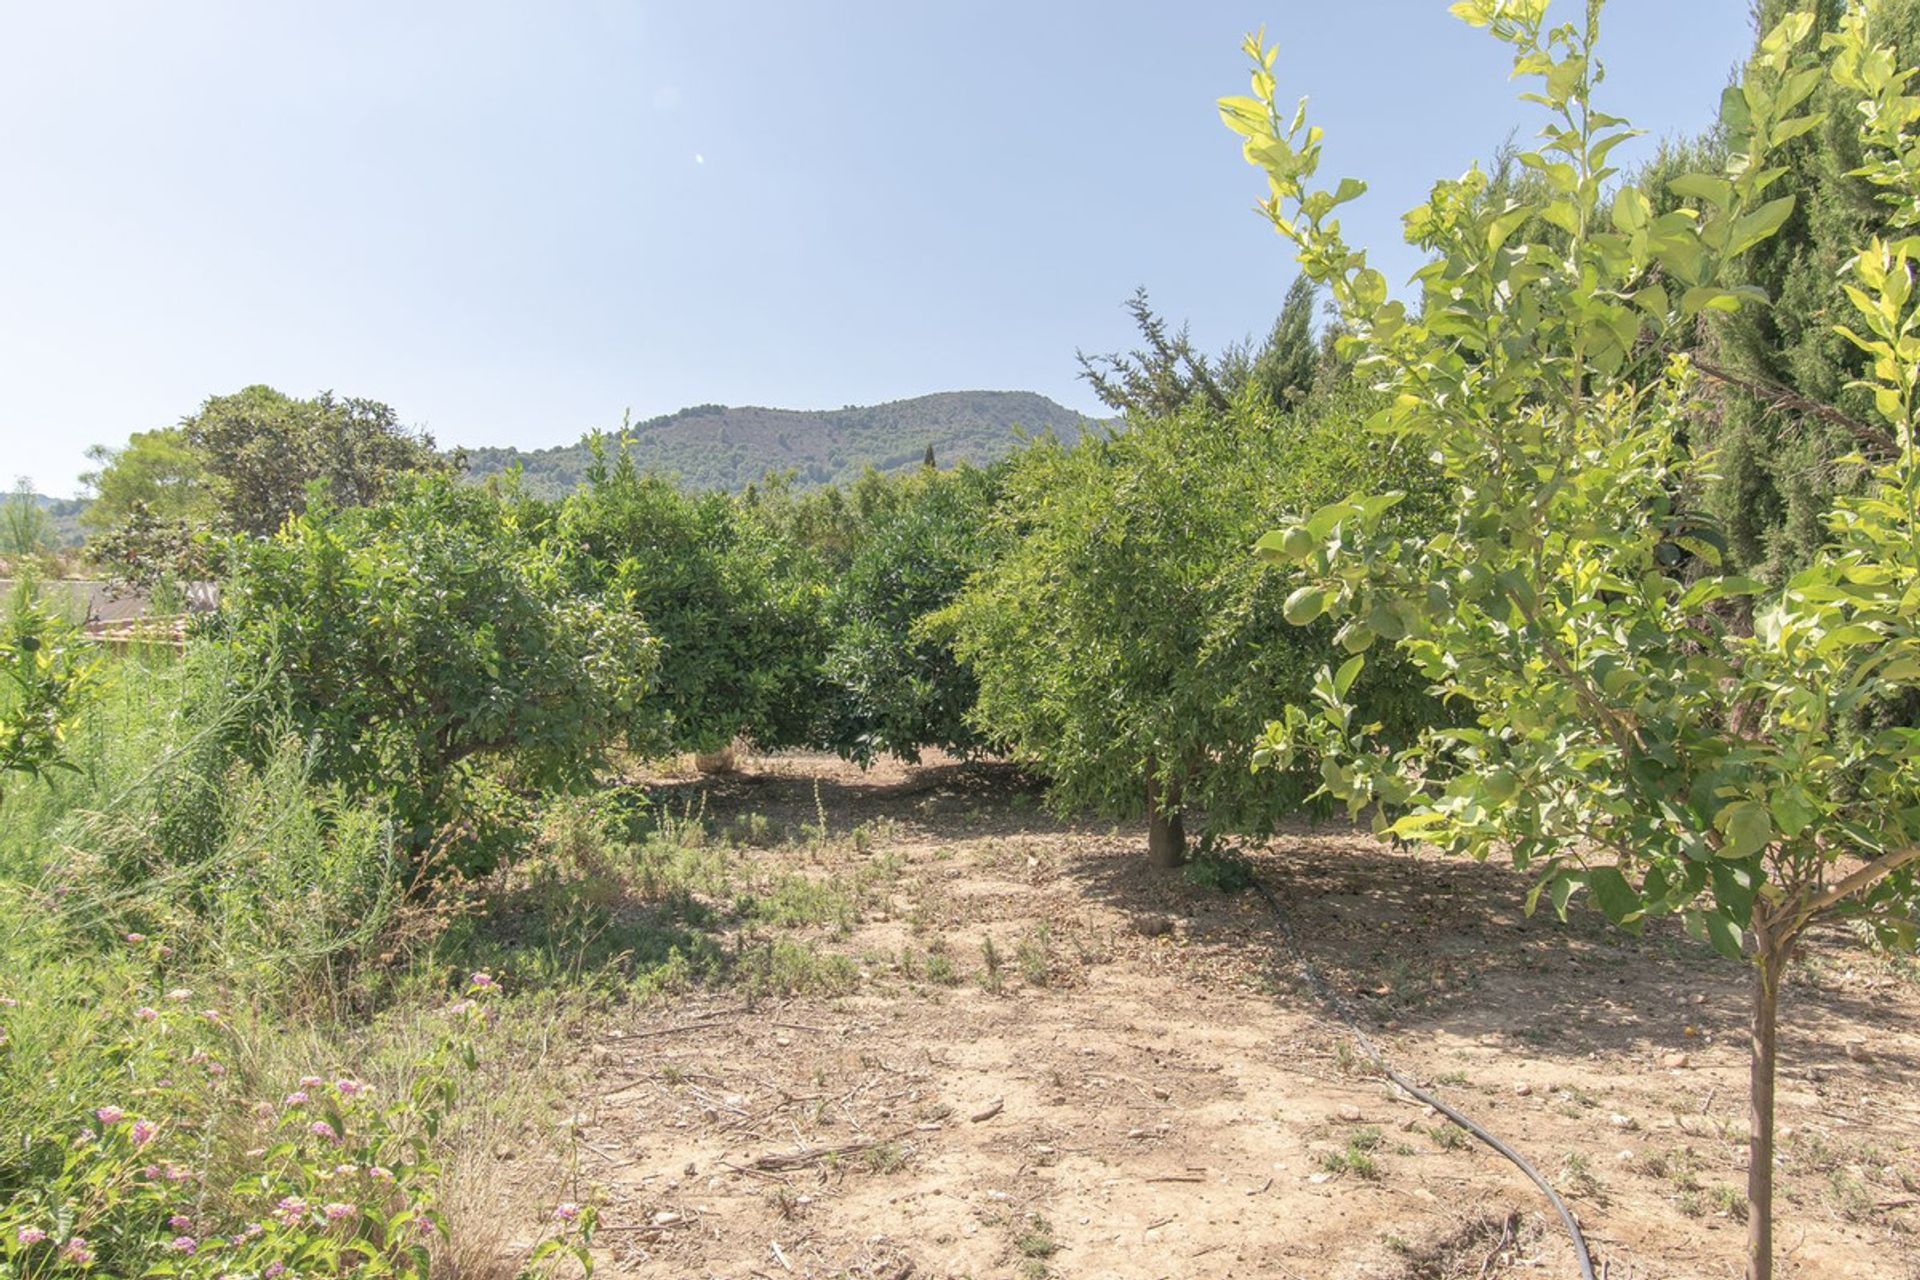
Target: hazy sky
<point>513,221</point>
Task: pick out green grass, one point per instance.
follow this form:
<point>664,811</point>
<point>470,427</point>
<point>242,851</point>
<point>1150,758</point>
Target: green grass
<point>1357,1157</point>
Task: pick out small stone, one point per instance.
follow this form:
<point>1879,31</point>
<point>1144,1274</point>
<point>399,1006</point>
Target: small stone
<point>1858,1052</point>
<point>1153,926</point>
<point>1161,1094</point>
<point>1625,1156</point>
<point>1524,1090</point>
<point>1619,1121</point>
<point>504,1151</point>
<point>1351,1115</point>
<point>665,1218</point>
<point>1676,1062</point>
<point>1317,1178</point>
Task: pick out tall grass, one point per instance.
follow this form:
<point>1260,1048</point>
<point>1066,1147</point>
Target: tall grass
<point>172,856</point>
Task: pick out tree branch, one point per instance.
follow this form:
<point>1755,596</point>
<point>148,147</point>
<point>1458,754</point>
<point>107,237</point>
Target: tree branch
<point>1865,878</point>
<point>1786,398</point>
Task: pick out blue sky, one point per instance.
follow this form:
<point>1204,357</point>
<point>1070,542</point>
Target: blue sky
<point>514,221</point>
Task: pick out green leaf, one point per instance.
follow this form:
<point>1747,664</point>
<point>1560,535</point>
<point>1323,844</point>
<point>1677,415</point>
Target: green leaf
<point>1631,209</point>
<point>1754,227</point>
<point>1413,824</point>
<point>1734,888</point>
<point>1746,826</point>
<point>1614,895</point>
<point>1715,929</point>
<point>1715,190</point>
<point>1344,677</point>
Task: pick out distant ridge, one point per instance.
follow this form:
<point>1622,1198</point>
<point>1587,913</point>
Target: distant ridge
<point>713,446</point>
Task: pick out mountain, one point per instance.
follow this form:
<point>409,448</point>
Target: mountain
<point>713,446</point>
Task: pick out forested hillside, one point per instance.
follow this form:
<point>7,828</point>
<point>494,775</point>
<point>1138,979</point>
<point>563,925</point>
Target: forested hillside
<point>713,446</point>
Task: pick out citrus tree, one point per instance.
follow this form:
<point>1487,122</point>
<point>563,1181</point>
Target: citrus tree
<point>1630,734</point>
<point>1125,644</point>
<point>896,688</point>
<point>737,623</point>
<point>432,651</point>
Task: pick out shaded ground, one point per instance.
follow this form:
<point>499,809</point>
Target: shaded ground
<point>1045,1059</point>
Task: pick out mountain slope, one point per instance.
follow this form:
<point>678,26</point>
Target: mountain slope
<point>717,447</point>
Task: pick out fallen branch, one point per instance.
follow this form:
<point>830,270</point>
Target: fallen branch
<point>776,1161</point>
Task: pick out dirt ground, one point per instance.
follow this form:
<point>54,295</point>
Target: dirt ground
<point>1054,1061</point>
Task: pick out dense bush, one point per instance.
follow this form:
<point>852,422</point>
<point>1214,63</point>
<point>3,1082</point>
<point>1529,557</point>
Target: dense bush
<point>738,625</point>
<point>1127,644</point>
<point>432,650</point>
<point>191,939</point>
<point>896,688</point>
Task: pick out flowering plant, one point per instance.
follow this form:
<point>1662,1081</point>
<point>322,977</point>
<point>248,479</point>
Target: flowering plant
<point>184,1176</point>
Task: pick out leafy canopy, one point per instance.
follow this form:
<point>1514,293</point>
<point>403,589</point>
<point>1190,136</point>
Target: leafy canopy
<point>432,644</point>
<point>1123,638</point>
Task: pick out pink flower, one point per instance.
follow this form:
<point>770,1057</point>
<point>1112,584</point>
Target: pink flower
<point>109,1114</point>
<point>311,1082</point>
<point>298,1098</point>
<point>136,937</point>
<point>348,1088</point>
<point>253,1232</point>
<point>274,1269</point>
<point>77,1251</point>
<point>481,980</point>
<point>144,1132</point>
<point>184,1244</point>
<point>216,1069</point>
<point>290,1209</point>
<point>566,1211</point>
<point>211,1015</point>
<point>145,1014</point>
<point>151,1171</point>
<point>321,1129</point>
<point>180,993</point>
<point>8,1002</point>
<point>180,1222</point>
<point>345,1170</point>
<point>337,1211</point>
<point>177,1172</point>
<point>380,1173</point>
<point>30,1235</point>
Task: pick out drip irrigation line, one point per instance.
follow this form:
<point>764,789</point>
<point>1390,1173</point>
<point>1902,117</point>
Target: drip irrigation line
<point>1332,999</point>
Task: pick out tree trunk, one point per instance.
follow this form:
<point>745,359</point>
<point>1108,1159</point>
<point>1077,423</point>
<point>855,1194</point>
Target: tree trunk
<point>1166,831</point>
<point>1769,962</point>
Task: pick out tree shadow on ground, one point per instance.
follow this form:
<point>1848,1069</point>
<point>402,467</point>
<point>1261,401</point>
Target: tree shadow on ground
<point>1417,942</point>
<point>1413,941</point>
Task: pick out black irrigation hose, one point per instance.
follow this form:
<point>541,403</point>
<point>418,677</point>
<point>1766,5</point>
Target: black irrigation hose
<point>1331,998</point>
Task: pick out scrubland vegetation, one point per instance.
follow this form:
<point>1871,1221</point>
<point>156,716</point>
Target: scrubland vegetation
<point>1597,556</point>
